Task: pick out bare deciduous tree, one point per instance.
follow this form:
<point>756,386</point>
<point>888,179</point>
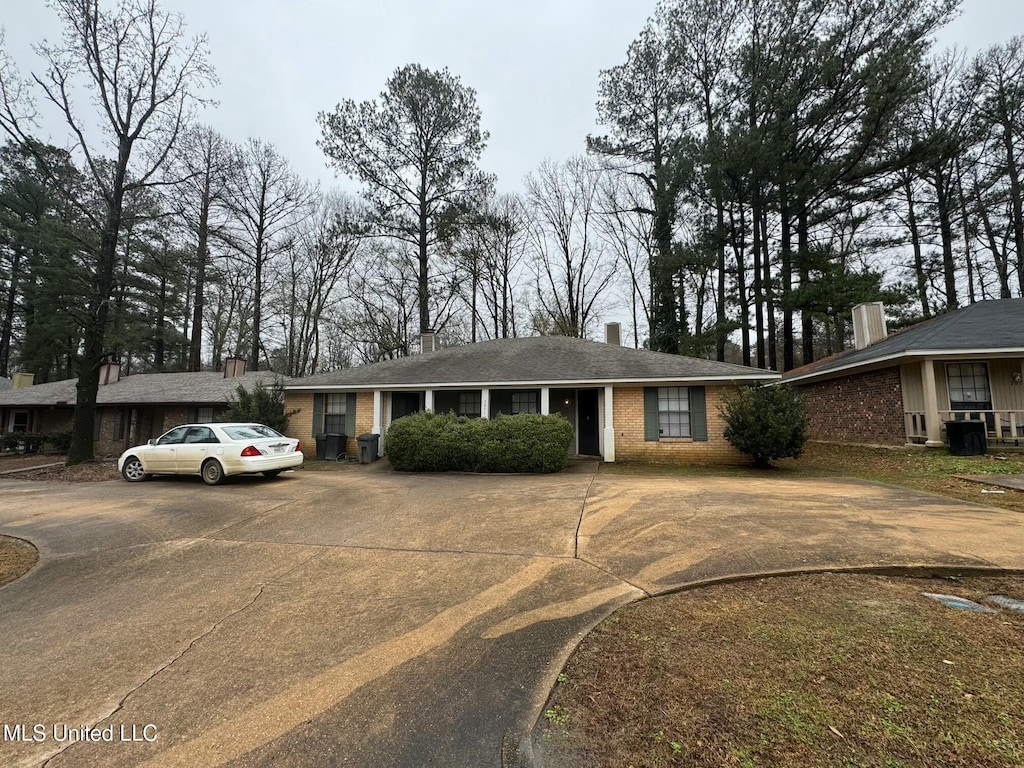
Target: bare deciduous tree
<point>571,267</point>
<point>142,72</point>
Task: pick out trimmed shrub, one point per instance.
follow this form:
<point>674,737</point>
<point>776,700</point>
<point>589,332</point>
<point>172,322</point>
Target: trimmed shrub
<point>22,442</point>
<point>58,441</point>
<point>436,442</point>
<point>767,423</point>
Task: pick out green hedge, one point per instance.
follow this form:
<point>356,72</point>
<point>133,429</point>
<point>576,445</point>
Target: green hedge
<point>33,442</point>
<point>444,442</point>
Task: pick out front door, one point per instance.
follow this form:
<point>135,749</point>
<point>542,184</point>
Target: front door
<point>586,423</point>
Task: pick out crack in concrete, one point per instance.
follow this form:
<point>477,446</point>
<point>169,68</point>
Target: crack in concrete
<point>169,663</point>
<point>583,508</point>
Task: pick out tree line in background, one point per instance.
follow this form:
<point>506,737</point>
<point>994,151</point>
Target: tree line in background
<point>763,166</point>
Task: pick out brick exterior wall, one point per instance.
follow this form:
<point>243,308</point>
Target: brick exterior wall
<point>300,424</point>
<point>628,407</point>
<point>860,408</point>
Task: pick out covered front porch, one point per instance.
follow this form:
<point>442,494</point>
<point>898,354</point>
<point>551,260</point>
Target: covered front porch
<point>589,409</point>
<point>989,389</point>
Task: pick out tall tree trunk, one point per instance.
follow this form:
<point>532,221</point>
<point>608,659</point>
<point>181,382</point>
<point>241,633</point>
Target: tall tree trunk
<point>7,328</point>
<point>946,234</point>
<point>915,242</point>
<point>999,255</point>
<point>757,245</point>
<point>95,326</point>
<point>423,281</point>
<point>804,259</point>
<point>195,351</point>
<point>788,342</point>
<point>1016,203</point>
<point>741,287</point>
<point>769,292</point>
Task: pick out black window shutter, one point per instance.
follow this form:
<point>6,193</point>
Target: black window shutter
<point>318,413</point>
<point>698,414</point>
<point>350,414</point>
<point>652,430</point>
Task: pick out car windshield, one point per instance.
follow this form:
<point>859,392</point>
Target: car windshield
<point>250,432</point>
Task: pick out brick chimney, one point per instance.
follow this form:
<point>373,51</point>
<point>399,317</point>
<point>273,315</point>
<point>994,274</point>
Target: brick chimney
<point>869,324</point>
<point>110,372</point>
<point>234,367</point>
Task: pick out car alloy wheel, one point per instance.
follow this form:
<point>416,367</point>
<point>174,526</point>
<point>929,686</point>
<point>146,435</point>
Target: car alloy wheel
<point>213,473</point>
<point>132,470</point>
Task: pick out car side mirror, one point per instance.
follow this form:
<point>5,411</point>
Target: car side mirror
<point>151,441</point>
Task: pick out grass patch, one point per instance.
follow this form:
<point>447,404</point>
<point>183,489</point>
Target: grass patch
<point>924,470</point>
<point>17,557</point>
<point>823,670</point>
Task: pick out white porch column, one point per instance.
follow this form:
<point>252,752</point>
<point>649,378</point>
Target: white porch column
<point>609,426</point>
<point>931,406</point>
<point>485,403</point>
<point>428,400</point>
<point>545,401</point>
<point>378,419</point>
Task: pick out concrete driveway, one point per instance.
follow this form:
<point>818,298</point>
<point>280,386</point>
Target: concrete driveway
<point>368,618</point>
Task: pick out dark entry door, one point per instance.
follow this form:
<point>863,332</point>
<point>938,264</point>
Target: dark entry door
<point>404,403</point>
<point>586,425</point>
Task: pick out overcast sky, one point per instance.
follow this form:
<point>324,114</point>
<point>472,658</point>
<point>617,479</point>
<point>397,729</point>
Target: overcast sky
<point>533,63</point>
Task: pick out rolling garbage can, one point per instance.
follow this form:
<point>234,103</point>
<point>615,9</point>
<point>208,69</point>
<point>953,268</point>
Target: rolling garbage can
<point>321,446</point>
<point>335,446</point>
<point>368,448</point>
<point>968,437</point>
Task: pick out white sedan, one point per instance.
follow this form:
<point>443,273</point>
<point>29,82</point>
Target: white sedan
<point>212,451</point>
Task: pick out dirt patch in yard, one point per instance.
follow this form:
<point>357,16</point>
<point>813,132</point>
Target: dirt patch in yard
<point>17,557</point>
<point>823,670</point>
<point>38,467</point>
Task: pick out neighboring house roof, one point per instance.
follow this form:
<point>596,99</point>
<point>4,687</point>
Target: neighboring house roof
<point>142,389</point>
<point>5,383</point>
<point>537,360</point>
<point>991,327</point>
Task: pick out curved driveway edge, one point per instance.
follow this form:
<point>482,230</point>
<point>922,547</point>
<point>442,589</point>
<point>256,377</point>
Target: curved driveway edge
<point>371,618</point>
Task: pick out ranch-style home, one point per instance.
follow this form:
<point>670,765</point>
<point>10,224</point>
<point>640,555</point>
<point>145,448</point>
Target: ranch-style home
<point>901,388</point>
<point>129,409</point>
<point>623,403</point>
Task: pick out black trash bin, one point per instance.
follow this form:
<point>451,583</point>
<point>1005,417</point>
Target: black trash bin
<point>968,437</point>
<point>335,446</point>
<point>321,446</point>
<point>368,448</point>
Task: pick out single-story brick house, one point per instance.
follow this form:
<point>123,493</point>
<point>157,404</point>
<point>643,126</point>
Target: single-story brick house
<point>900,389</point>
<point>622,403</point>
<point>130,409</point>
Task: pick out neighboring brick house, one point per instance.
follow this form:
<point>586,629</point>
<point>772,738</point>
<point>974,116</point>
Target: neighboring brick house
<point>899,389</point>
<point>623,404</point>
<point>130,409</point>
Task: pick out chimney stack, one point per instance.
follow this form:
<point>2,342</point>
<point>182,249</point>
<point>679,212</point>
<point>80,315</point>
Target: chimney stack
<point>234,367</point>
<point>21,380</point>
<point>613,334</point>
<point>869,324</point>
<point>110,372</point>
<point>428,341</point>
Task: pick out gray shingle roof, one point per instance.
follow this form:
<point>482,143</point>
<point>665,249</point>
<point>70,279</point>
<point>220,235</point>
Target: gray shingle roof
<point>5,383</point>
<point>142,389</point>
<point>996,324</point>
<point>543,359</point>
